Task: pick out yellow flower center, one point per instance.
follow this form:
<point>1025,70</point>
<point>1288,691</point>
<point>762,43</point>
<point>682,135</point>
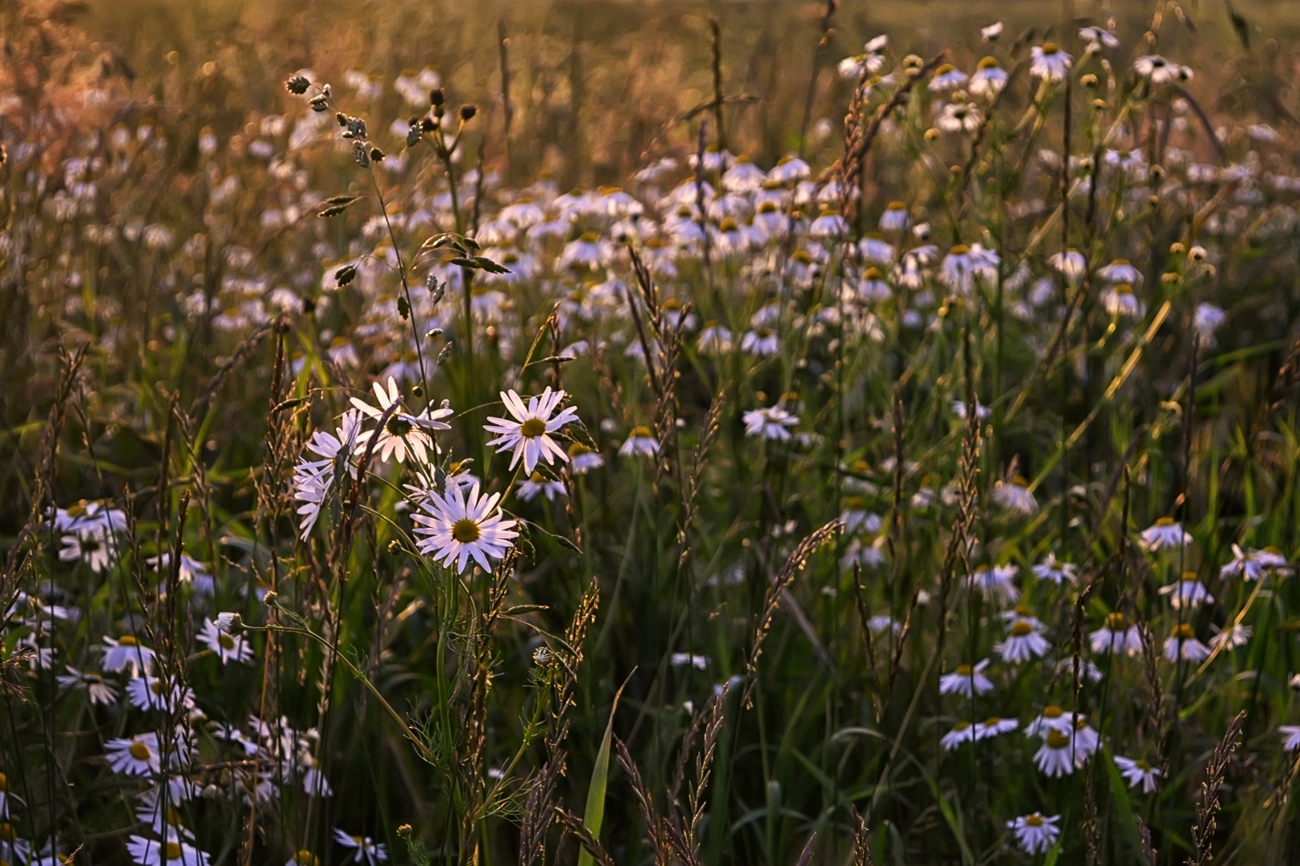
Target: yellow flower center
<point>4,782</point>
<point>961,726</point>
<point>1163,521</point>
<point>305,858</point>
<point>227,642</point>
<point>173,850</point>
<point>1034,821</point>
<point>1023,610</point>
<point>1057,740</point>
<point>1116,622</point>
<point>532,428</point>
<point>989,63</point>
<point>465,531</point>
<point>156,687</point>
<point>1052,711</point>
<point>1050,48</point>
<point>964,670</point>
<point>641,433</point>
<point>1189,577</point>
<point>1142,765</point>
<point>959,250</point>
<point>7,832</point>
<point>140,751</point>
<point>589,237</point>
<point>1020,628</point>
<point>992,722</point>
<point>1184,631</point>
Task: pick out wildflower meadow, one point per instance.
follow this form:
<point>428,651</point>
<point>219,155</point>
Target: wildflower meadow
<point>682,433</point>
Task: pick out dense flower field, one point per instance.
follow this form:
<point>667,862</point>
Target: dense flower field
<point>922,492</point>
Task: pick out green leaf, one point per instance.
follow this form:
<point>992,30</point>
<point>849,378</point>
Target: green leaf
<point>594,815</point>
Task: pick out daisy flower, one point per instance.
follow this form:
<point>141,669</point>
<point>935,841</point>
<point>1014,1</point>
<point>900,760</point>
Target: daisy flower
<point>303,857</point>
<point>1035,833</point>
<point>947,77</point>
<point>224,645</point>
<point>1253,564</point>
<point>97,688</point>
<point>1023,643</point>
<point>640,442</point>
<point>1098,38</point>
<point>761,342</point>
<point>1070,264</point>
<point>136,756</point>
<point>1182,643</point>
<point>538,483</point>
<point>1158,70</point>
<point>1165,532</point>
<point>459,526</point>
<point>960,117</point>
<point>583,459</point>
<point>966,680</point>
<point>1055,756</point>
<point>1292,741</point>
<point>1049,62</point>
<point>1232,637</point>
<point>962,732</point>
<point>1120,302</point>
<point>1056,572</point>
<point>1120,271</point>
<point>1138,772</point>
<point>1116,635</point>
<point>368,851</point>
<point>715,339</point>
<point>993,726</point>
<point>173,852</point>
<point>1052,718</point>
<point>402,431</point>
<point>1187,592</point>
<point>1014,496</point>
<point>528,431</point>
<point>153,693</point>
<point>126,652</point>
<point>989,78</point>
<point>996,583</point>
<point>93,546</point>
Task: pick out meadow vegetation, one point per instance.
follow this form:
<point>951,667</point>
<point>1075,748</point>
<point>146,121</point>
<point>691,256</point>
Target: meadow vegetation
<point>709,434</point>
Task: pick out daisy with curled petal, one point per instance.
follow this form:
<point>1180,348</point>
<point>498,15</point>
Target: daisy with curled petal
<point>528,432</point>
<point>459,526</point>
<point>402,431</point>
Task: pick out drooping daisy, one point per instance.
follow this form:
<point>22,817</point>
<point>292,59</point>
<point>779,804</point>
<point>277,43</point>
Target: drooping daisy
<point>993,726</point>
<point>1070,264</point>
<point>1049,62</point>
<point>1023,642</point>
<point>1098,38</point>
<point>1116,635</point>
<point>134,756</point>
<point>1035,833</point>
<point>1054,757</point>
<point>760,342</point>
<point>459,526</point>
<point>947,77</point>
<point>402,431</point>
<point>1120,302</point>
<point>538,484</point>
<point>126,652</point>
<point>1137,772</point>
<point>1182,643</point>
<point>583,459</point>
<point>528,431</point>
<point>715,339</point>
<point>966,680</point>
<point>1187,592</point>
<point>640,442</point>
<point>989,78</point>
<point>368,850</point>
<point>225,646</point>
<point>962,732</point>
<point>1165,532</point>
<point>996,583</point>
<point>1254,564</point>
